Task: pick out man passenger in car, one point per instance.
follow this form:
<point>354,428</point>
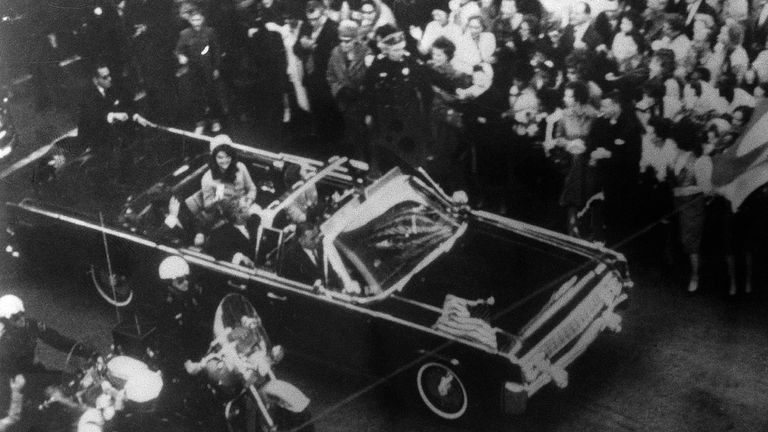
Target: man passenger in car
<point>235,240</point>
<point>300,208</point>
<point>302,256</point>
<point>169,221</point>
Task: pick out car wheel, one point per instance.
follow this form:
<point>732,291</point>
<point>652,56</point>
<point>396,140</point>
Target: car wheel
<point>116,289</point>
<point>442,390</point>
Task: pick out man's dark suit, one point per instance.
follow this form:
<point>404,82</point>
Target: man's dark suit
<point>92,127</point>
<point>757,33</point>
<point>177,235</point>
<point>226,240</point>
<point>591,38</point>
<point>327,120</point>
<point>296,264</point>
<point>618,175</point>
<point>316,60</point>
<point>677,6</point>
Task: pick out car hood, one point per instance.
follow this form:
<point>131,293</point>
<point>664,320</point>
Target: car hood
<point>517,273</point>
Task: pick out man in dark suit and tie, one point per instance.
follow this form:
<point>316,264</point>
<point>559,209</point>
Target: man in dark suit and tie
<point>302,259</point>
<point>580,33</point>
<point>100,110</point>
<point>757,29</point>
<point>235,241</point>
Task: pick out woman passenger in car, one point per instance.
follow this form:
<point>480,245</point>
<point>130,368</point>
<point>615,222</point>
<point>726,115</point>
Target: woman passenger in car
<point>227,178</point>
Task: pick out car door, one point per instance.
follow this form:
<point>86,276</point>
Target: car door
<point>329,332</point>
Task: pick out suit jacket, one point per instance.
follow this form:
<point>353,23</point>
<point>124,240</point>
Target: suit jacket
<point>624,140</point>
<point>677,6</point>
<point>296,264</point>
<point>316,60</point>
<point>226,240</point>
<point>92,126</point>
<point>757,33</point>
<point>350,75</point>
<point>156,228</point>
<point>591,37</point>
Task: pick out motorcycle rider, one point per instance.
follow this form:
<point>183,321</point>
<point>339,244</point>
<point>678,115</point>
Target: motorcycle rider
<point>20,335</point>
<point>180,324</point>
<point>18,341</point>
<point>240,358</point>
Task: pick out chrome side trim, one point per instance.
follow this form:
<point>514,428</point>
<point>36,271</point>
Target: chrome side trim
<point>572,244</point>
<point>253,275</point>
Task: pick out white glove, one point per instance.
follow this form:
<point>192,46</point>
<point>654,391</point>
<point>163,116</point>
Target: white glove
<point>576,146</point>
<point>416,32</point>
<point>117,116</point>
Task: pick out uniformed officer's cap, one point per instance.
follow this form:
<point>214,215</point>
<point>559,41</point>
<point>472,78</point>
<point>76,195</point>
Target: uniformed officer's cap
<point>390,35</point>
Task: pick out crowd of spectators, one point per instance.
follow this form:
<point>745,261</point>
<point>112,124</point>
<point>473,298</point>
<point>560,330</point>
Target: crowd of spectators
<point>601,115</point>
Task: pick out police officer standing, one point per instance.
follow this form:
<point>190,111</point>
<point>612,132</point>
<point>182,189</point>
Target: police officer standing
<point>399,95</point>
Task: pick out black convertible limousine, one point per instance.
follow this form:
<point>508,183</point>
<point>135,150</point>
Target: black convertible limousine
<point>465,307</point>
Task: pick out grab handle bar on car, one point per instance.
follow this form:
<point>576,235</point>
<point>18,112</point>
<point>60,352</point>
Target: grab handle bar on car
<point>237,286</point>
<point>274,296</point>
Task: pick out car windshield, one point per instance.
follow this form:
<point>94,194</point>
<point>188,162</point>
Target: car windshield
<point>394,232</point>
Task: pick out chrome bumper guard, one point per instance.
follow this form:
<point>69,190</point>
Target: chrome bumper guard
<point>582,326</point>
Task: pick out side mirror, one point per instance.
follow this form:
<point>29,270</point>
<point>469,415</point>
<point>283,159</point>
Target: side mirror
<point>277,353</point>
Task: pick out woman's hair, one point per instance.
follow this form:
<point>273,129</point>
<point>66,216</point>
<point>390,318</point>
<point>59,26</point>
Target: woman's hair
<point>445,45</point>
<point>632,17</point>
<point>582,62</point>
<point>654,89</point>
<point>661,126</point>
<point>291,175</point>
<point>687,136</point>
<point>667,61</point>
<point>230,174</point>
<point>746,113</point>
<point>580,91</point>
<point>549,99</point>
<point>735,34</point>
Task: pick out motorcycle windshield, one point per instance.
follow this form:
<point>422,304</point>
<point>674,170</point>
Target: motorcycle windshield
<point>237,321</point>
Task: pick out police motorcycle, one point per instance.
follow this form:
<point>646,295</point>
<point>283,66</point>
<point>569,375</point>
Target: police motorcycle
<point>238,366</point>
<point>103,393</point>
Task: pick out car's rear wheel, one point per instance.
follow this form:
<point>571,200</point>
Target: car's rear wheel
<point>442,391</point>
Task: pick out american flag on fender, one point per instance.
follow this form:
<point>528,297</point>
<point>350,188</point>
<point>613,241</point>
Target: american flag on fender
<point>467,319</point>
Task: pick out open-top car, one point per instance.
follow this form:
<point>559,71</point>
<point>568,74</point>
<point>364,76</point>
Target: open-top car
<point>463,306</point>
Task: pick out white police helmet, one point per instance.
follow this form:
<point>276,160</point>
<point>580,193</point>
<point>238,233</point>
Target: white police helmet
<point>173,267</point>
<point>10,305</point>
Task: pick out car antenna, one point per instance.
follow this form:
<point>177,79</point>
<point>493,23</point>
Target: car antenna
<point>112,280</point>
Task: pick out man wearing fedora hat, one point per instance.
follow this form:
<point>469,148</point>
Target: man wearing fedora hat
<point>346,71</point>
